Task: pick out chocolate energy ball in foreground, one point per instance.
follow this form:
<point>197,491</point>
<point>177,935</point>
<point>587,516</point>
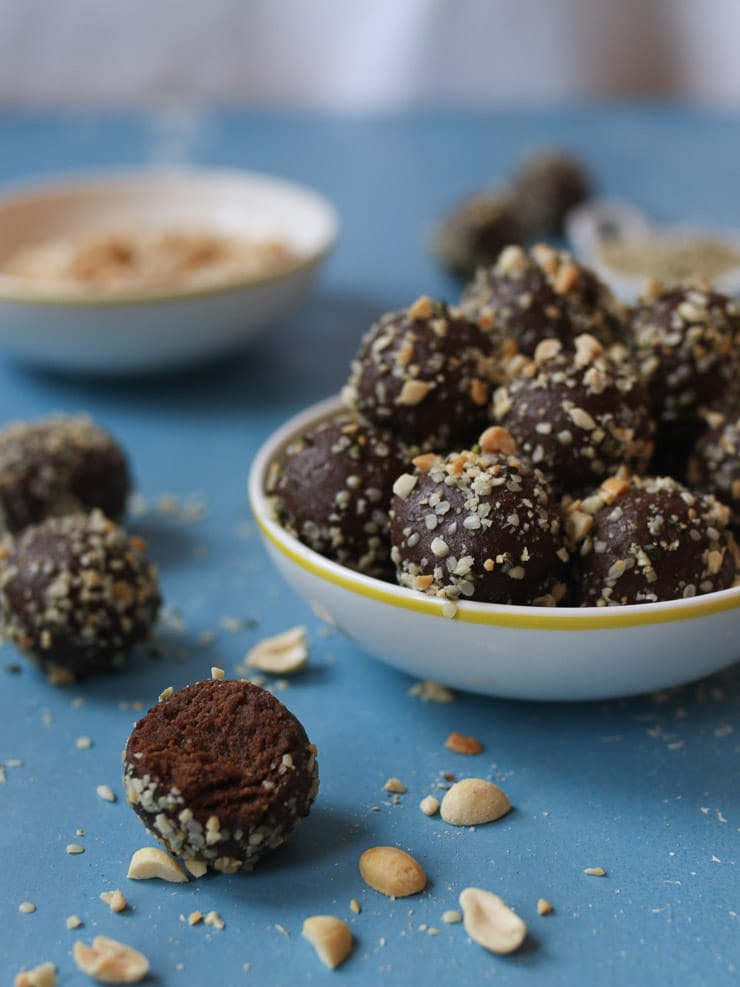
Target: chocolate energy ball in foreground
<point>546,188</point>
<point>332,491</point>
<point>541,294</point>
<point>426,374</point>
<point>77,594</point>
<point>714,465</point>
<point>57,466</point>
<point>686,347</point>
<point>478,525</point>
<point>578,415</point>
<point>650,539</point>
<point>220,772</point>
<point>475,232</point>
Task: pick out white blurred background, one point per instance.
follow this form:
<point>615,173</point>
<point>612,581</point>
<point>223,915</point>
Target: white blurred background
<point>356,56</point>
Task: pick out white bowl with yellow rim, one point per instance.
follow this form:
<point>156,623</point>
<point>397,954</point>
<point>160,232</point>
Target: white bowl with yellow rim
<point>564,653</point>
<point>98,324</point>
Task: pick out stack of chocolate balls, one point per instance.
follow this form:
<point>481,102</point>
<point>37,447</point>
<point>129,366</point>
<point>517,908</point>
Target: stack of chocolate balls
<point>513,449</point>
<point>77,593</point>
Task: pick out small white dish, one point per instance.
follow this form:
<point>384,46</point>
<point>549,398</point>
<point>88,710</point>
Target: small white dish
<point>589,227</point>
<point>566,653</point>
<point>141,331</point>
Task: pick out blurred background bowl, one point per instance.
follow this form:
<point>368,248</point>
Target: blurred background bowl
<point>148,330</point>
<point>564,653</point>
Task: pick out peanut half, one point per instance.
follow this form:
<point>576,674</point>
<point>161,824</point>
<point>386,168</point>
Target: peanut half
<point>392,872</point>
<point>284,654</point>
<point>490,922</point>
<point>330,937</point>
<point>44,975</point>
<point>473,801</point>
<point>150,861</point>
<point>111,962</point>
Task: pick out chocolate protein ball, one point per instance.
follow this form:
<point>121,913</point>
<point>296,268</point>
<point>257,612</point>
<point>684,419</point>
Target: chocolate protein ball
<point>221,773</point>
<point>685,342</point>
<point>475,232</point>
<point>546,188</point>
<point>56,466</point>
<point>650,539</point>
<point>541,294</point>
<point>478,525</point>
<point>76,594</point>
<point>425,373</point>
<point>714,465</point>
<point>332,490</point>
<point>579,415</point>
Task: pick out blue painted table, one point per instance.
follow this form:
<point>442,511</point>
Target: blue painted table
<point>646,788</point>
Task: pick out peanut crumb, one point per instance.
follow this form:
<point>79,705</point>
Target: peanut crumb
<point>544,907</point>
<point>595,871</point>
<point>83,743</point>
<point>74,848</point>
<point>73,921</point>
<point>115,900</point>
<point>429,805</point>
<point>195,917</point>
<point>463,745</point>
<point>106,793</point>
<point>215,920</point>
<point>452,916</point>
<point>395,785</point>
<point>44,975</point>
<point>26,908</point>
<point>355,906</point>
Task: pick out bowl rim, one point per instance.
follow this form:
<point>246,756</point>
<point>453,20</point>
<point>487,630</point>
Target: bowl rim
<point>491,614</point>
<point>14,289</point>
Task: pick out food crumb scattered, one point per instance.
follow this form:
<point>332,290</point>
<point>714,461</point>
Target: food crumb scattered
<point>395,785</point>
<point>74,848</point>
<point>461,744</point>
<point>44,975</point>
<point>83,743</point>
<point>429,805</point>
<point>195,917</point>
<point>73,921</point>
<point>283,654</point>
<point>330,938</point>
<point>217,673</point>
<point>26,907</point>
<point>355,906</point>
<point>544,907</point>
<point>432,692</point>
<point>106,793</point>
<point>115,900</point>
<point>215,920</point>
<point>452,916</point>
<point>595,871</point>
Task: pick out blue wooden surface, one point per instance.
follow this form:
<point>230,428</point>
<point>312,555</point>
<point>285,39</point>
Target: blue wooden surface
<point>647,788</point>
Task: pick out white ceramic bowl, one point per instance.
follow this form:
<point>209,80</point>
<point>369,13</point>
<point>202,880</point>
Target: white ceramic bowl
<point>150,330</point>
<point>568,653</point>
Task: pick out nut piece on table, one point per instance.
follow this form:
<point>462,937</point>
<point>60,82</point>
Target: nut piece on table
<point>284,654</point>
<point>474,801</point>
<point>44,975</point>
<point>150,862</point>
<point>392,872</point>
<point>330,937</point>
<point>111,962</point>
<point>490,922</point>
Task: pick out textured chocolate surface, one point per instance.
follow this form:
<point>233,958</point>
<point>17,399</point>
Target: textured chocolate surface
<point>577,415</point>
<point>714,465</point>
<point>542,294</point>
<point>475,232</point>
<point>425,373</point>
<point>220,771</point>
<point>478,526</point>
<point>653,540</point>
<point>332,491</point>
<point>77,594</point>
<point>57,466</point>
<point>686,342</point>
<point>546,188</point>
